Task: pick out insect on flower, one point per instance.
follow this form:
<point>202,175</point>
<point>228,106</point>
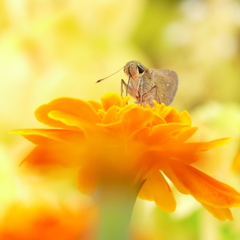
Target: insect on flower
<point>146,85</point>
<point>155,142</point>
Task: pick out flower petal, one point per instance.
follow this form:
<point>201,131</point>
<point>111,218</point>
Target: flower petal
<point>160,132</point>
<point>161,109</point>
<point>141,135</point>
<point>111,115</point>
<point>220,213</point>
<point>75,107</point>
<point>49,136</point>
<point>185,152</point>
<point>204,188</point>
<point>174,179</point>
<point>71,121</point>
<point>135,118</point>
<point>213,144</point>
<point>186,133</point>
<point>157,119</point>
<point>113,99</point>
<point>185,118</point>
<point>65,154</point>
<point>96,105</point>
<point>131,119</point>
<point>157,189</point>
<point>172,116</point>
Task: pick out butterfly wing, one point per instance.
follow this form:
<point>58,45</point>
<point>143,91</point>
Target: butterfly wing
<point>167,84</point>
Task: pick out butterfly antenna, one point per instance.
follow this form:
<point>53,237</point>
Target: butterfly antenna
<point>109,75</point>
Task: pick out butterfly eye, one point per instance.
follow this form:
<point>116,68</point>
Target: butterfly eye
<point>140,68</point>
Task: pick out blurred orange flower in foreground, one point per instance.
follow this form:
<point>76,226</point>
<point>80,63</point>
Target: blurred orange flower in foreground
<point>39,221</point>
<point>45,222</point>
<point>113,142</point>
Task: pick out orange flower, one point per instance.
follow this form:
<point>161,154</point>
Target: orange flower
<point>47,222</point>
<point>113,141</point>
<point>39,221</point>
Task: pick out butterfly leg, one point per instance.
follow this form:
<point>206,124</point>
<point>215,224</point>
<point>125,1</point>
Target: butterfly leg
<point>123,84</point>
<point>127,87</point>
<point>149,96</point>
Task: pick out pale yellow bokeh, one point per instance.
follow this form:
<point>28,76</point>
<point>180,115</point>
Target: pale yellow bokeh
<point>55,48</point>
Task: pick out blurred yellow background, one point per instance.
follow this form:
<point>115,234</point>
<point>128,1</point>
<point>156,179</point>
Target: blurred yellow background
<point>55,48</point>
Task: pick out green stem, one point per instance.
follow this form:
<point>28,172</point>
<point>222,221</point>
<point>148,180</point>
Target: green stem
<point>115,202</point>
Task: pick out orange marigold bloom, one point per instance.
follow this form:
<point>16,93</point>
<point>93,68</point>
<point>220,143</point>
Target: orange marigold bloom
<point>131,143</point>
<point>39,221</point>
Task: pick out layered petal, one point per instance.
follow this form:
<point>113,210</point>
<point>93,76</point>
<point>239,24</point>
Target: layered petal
<point>135,118</point>
<point>111,115</point>
<point>50,136</point>
<point>186,152</point>
<point>65,154</point>
<point>220,213</point>
<point>157,189</point>
<point>75,108</point>
<point>204,188</point>
<point>112,99</point>
<point>162,132</point>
